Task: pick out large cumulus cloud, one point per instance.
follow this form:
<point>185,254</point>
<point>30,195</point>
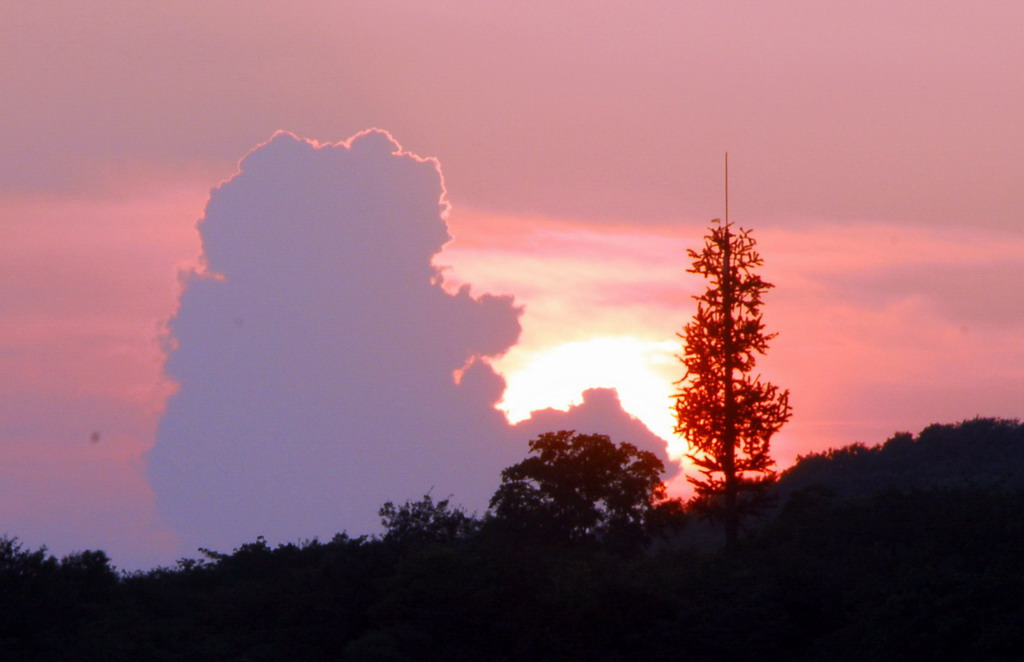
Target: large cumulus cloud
<point>322,367</point>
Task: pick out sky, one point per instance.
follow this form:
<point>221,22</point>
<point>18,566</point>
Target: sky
<point>513,235</point>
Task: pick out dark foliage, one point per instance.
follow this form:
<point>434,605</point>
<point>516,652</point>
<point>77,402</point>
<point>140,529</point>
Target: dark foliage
<point>928,572</point>
<point>578,489</point>
<point>44,602</point>
<point>979,453</point>
<point>426,521</point>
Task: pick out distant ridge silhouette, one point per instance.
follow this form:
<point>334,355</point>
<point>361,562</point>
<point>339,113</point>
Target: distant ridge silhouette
<point>982,453</point>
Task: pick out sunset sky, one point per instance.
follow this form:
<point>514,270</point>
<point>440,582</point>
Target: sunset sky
<point>875,149</point>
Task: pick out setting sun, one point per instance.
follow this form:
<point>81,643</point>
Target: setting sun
<point>416,191</point>
<point>555,377</point>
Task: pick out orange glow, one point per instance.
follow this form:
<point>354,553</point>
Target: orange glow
<point>875,154</point>
<point>555,377</point>
<point>603,304</point>
<point>601,309</point>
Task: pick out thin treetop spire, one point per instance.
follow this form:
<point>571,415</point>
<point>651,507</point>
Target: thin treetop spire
<point>727,189</point>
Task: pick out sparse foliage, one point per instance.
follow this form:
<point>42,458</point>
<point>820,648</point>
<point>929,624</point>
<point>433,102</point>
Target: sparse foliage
<point>426,521</point>
<point>727,414</point>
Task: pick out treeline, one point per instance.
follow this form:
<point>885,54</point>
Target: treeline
<point>982,453</point>
<point>927,570</point>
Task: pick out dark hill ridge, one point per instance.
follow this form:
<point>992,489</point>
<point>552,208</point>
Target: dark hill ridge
<point>985,453</point>
<point>890,569</point>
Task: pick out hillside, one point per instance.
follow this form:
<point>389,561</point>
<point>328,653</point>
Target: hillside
<point>915,555</point>
<point>982,453</point>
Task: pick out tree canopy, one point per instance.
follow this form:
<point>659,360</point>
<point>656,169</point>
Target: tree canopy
<point>578,488</point>
<point>895,574</point>
<point>426,521</point>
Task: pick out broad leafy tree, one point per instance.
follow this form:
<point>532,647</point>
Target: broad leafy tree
<point>726,413</point>
<point>579,488</point>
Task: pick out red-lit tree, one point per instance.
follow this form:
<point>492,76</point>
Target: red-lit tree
<point>727,415</point>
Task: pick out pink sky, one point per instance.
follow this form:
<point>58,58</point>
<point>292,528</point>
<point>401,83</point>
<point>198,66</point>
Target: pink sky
<point>874,149</point>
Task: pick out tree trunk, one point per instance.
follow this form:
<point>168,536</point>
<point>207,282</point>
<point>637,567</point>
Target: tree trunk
<point>729,397</point>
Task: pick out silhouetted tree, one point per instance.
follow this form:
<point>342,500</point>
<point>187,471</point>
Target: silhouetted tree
<point>426,521</point>
<point>727,415</point>
<point>919,569</point>
<point>578,488</point>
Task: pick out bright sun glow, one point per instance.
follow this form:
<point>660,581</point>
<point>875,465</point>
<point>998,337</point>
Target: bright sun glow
<point>555,377</point>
